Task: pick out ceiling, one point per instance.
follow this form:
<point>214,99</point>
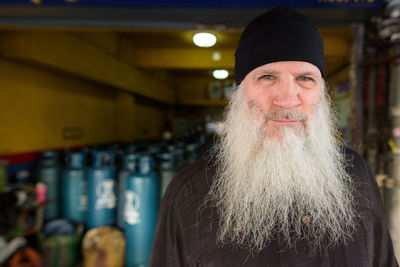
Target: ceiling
<point>173,49</point>
<point>167,17</point>
<point>163,35</point>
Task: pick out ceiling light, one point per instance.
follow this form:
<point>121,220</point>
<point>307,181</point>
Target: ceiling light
<point>216,56</point>
<point>204,39</point>
<point>220,74</point>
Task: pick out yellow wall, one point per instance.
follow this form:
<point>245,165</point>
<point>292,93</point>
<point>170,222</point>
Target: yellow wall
<point>149,120</point>
<point>139,119</point>
<point>190,88</point>
<point>125,117</point>
<point>87,58</point>
<point>39,107</point>
<point>339,77</point>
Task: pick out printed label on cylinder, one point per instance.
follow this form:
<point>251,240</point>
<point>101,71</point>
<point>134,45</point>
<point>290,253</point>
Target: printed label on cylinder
<point>105,195</point>
<point>131,210</point>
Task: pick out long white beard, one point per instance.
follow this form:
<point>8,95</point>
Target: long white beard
<point>265,186</point>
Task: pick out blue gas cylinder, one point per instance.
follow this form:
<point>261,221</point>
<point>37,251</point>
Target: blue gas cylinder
<point>48,172</point>
<point>74,200</point>
<point>140,213</point>
<point>129,166</point>
<point>101,190</point>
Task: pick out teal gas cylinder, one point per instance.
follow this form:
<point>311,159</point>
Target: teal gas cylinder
<point>154,149</point>
<point>74,191</point>
<point>48,172</point>
<point>140,212</point>
<point>102,198</point>
<point>192,152</point>
<point>129,166</point>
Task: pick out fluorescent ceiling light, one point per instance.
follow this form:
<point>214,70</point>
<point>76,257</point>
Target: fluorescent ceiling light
<point>220,74</point>
<point>204,39</point>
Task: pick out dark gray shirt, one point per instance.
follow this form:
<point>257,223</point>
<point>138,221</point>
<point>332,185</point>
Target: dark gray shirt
<point>186,229</point>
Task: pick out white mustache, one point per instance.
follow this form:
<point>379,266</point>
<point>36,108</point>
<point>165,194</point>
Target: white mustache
<point>287,114</point>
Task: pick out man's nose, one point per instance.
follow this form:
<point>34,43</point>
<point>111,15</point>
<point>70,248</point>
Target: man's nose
<point>287,94</point>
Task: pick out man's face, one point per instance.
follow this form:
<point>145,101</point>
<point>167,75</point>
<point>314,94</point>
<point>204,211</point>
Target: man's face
<point>286,93</point>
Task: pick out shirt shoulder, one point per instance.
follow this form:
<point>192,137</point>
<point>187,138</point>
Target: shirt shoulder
<point>191,184</point>
<point>368,194</point>
<point>357,166</point>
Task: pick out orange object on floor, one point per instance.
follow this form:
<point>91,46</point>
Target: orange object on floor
<point>27,257</point>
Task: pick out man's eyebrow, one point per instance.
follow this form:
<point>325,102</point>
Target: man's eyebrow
<point>266,72</point>
<point>307,73</point>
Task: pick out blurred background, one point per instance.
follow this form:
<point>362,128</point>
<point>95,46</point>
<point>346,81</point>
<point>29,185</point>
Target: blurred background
<point>103,101</point>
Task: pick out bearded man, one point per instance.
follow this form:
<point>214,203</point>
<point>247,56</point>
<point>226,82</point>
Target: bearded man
<point>279,190</point>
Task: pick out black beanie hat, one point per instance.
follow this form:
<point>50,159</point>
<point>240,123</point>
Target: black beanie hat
<point>281,34</point>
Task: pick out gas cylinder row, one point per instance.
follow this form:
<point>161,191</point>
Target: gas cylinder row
<point>98,193</point>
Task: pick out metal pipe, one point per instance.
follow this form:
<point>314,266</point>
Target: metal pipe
<point>392,184</point>
<point>356,85</point>
<point>372,148</point>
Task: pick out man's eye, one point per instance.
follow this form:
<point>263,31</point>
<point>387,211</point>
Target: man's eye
<point>267,77</point>
<point>304,78</point>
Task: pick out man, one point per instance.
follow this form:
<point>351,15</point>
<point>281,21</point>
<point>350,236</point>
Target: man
<point>279,191</point>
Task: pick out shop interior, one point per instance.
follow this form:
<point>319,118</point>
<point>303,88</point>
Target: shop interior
<point>98,94</point>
